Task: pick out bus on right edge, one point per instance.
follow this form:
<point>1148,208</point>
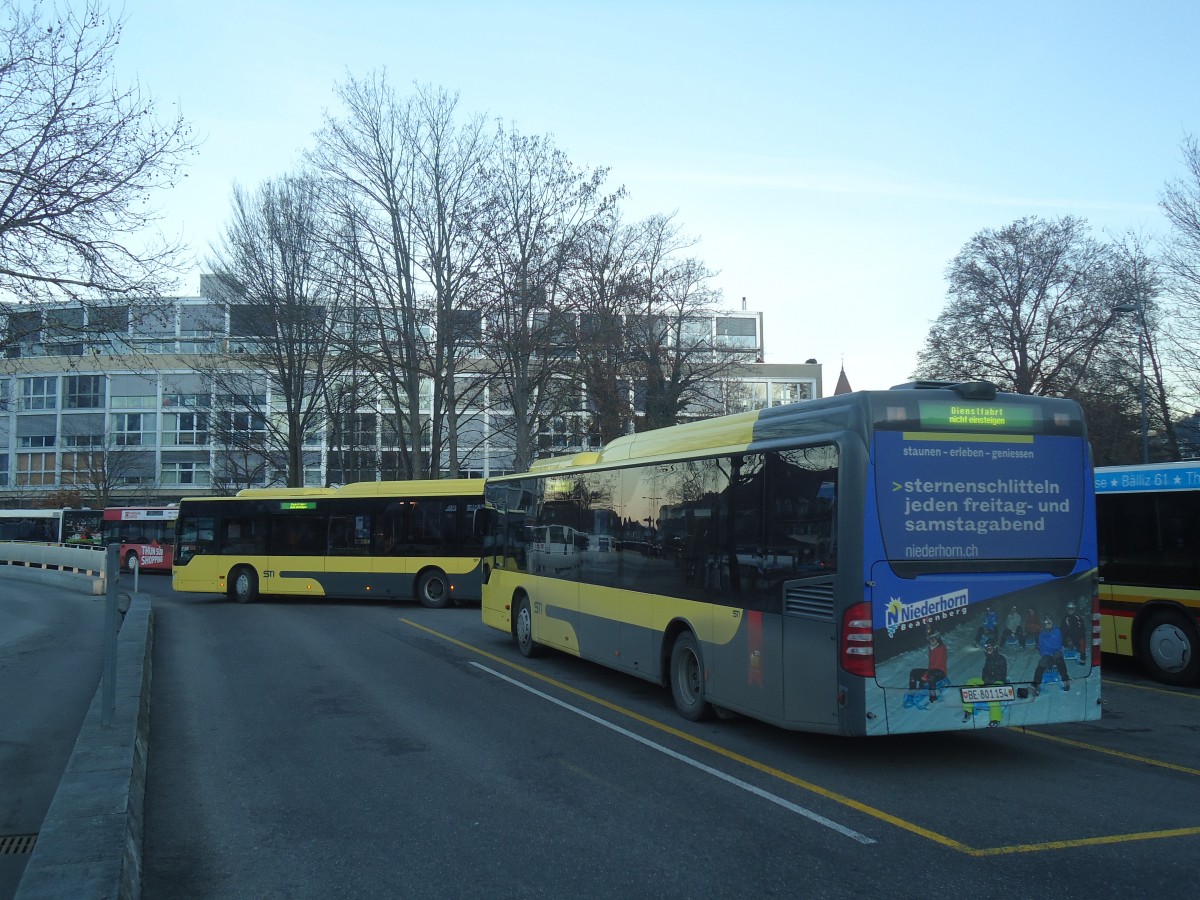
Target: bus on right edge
<point>1148,524</point>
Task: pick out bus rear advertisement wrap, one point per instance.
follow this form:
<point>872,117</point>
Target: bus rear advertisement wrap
<point>985,539</point>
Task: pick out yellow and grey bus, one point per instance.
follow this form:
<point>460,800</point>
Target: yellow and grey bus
<point>845,565</point>
<point>1148,522</point>
<point>390,540</point>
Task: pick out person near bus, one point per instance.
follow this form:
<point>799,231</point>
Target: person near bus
<point>926,679</point>
<point>989,629</point>
<point>1073,632</point>
<point>995,671</point>
<point>1013,627</point>
<point>1033,628</point>
<point>1050,649</point>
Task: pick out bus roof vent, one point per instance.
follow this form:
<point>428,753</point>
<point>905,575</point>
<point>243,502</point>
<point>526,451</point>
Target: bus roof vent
<point>968,390</point>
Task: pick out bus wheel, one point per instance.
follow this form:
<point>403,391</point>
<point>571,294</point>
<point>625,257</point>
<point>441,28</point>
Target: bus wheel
<point>243,586</point>
<point>523,629</point>
<point>687,678</point>
<point>131,561</point>
<point>1169,650</point>
<point>433,590</point>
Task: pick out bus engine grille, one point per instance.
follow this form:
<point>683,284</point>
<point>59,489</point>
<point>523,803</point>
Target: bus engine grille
<point>813,601</point>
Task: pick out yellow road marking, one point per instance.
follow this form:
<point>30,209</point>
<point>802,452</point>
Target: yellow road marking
<point>1152,688</point>
<point>1095,748</point>
<point>809,786</point>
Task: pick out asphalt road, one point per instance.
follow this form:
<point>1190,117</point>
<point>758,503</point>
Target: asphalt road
<point>317,749</point>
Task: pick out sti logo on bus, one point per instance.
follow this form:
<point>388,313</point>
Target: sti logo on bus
<point>900,614</point>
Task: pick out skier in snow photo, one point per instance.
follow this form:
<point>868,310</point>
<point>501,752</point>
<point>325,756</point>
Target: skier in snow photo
<point>1050,649</point>
<point>926,679</point>
<point>995,671</point>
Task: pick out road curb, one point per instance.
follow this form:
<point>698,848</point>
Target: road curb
<point>90,844</point>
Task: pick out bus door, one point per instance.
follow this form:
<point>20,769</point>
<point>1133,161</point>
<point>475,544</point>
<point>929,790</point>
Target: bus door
<point>348,563</point>
<point>296,557</point>
<point>392,578</point>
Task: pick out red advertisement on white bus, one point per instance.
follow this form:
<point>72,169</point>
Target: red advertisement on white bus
<point>146,535</point>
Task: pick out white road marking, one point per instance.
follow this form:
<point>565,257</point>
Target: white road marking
<point>736,782</point>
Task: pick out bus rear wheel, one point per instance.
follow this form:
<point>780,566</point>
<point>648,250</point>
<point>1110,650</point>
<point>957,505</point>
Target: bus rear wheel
<point>1168,648</point>
<point>523,629</point>
<point>687,678</point>
<point>243,585</point>
<point>433,589</point>
<point>131,561</point>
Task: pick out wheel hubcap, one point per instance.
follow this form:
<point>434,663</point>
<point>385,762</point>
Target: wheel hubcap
<point>1170,648</point>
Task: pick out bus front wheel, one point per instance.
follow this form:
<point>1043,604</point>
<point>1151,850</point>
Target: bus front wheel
<point>243,585</point>
<point>433,589</point>
<point>1169,649</point>
<point>131,561</point>
<point>687,678</point>
<point>523,628</point>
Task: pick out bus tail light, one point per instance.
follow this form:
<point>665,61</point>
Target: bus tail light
<point>1096,628</point>
<point>858,641</point>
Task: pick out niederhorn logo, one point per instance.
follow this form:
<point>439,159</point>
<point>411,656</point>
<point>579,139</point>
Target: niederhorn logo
<point>900,612</point>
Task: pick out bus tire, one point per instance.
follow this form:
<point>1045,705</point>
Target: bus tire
<point>243,585</point>
<point>687,678</point>
<point>433,589</point>
<point>131,561</point>
<point>1168,647</point>
<point>523,629</point>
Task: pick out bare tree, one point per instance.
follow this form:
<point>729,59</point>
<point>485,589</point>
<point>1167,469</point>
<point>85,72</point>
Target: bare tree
<point>672,342</point>
<point>1027,306</point>
<point>541,205</point>
<point>646,348</point>
<point>278,283</point>
<point>1180,202</point>
<point>410,182</point>
<point>80,159</point>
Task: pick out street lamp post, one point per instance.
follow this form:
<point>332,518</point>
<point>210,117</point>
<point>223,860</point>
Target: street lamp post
<point>1139,308</point>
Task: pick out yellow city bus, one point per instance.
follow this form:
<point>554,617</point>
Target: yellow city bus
<point>393,540</point>
<point>1148,523</point>
<point>832,565</point>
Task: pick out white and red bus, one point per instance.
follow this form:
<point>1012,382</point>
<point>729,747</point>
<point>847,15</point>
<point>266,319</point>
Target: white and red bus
<point>146,535</point>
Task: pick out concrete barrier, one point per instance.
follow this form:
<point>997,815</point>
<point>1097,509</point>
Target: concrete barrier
<point>74,560</point>
<point>90,844</point>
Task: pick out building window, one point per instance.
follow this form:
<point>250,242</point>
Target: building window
<point>187,401</point>
<point>146,401</point>
<point>83,440</point>
<point>737,332</point>
<point>186,474</point>
<point>39,393</point>
<point>747,395</point>
<point>78,468</point>
<point>789,392</point>
<point>30,441</point>
<point>243,429</point>
<point>35,468</point>
<point>133,429</point>
<point>84,392</point>
<point>185,429</point>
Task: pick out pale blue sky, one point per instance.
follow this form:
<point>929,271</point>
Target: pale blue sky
<point>831,158</point>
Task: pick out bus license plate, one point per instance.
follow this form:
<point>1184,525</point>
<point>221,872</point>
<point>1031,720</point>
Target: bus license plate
<point>987,694</point>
